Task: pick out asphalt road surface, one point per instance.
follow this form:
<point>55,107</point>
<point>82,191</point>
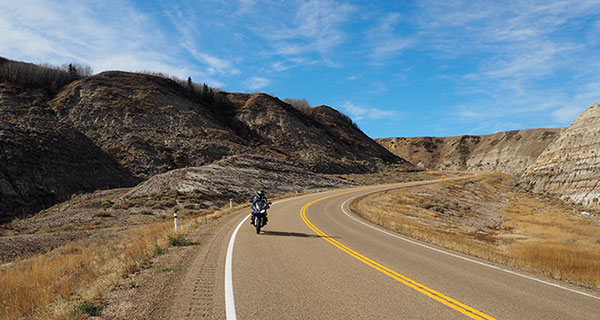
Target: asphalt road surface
<point>315,260</point>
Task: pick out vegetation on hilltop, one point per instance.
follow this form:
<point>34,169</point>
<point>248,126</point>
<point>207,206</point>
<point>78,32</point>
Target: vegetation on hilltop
<point>45,76</point>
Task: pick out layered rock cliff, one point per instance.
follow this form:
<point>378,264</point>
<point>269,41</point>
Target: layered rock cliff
<point>509,152</point>
<point>570,166</point>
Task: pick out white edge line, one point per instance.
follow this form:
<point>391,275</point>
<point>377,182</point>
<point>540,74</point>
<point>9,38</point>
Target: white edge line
<point>229,299</point>
<point>455,255</point>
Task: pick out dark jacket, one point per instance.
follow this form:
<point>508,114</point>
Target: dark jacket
<point>257,198</point>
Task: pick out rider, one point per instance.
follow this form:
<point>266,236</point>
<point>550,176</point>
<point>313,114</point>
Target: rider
<point>260,196</point>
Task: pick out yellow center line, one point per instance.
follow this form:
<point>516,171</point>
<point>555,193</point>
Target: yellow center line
<point>452,303</point>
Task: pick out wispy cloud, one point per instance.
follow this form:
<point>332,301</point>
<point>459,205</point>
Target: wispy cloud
<point>255,83</point>
<point>385,41</point>
<point>358,112</point>
<point>90,33</point>
<point>316,28</point>
<point>516,52</point>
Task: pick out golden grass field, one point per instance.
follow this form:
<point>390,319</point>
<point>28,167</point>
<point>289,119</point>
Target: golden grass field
<point>490,218</point>
<point>52,285</point>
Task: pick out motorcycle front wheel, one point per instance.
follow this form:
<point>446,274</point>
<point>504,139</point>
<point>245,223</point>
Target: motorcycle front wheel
<point>258,223</point>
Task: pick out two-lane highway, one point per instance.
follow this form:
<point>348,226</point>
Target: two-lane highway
<point>314,260</point>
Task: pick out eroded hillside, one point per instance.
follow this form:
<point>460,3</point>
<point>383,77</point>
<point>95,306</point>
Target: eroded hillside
<point>43,161</point>
<point>570,167</point>
<point>509,152</point>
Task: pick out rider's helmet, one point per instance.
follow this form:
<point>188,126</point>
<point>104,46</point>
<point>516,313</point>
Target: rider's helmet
<point>261,193</point>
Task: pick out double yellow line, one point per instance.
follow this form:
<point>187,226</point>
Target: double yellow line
<point>454,304</point>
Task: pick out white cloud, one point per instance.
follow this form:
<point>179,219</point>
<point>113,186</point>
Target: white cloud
<point>378,87</point>
<point>255,83</point>
<point>363,113</point>
<point>384,40</point>
<point>524,62</point>
<point>73,31</point>
<point>317,27</point>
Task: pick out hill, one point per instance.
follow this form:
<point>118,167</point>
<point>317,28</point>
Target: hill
<point>569,167</point>
<point>118,128</point>
<point>44,161</point>
<point>508,152</point>
<point>152,125</point>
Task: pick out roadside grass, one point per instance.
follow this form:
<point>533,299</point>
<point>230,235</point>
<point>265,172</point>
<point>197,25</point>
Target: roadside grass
<point>523,230</point>
<point>52,285</point>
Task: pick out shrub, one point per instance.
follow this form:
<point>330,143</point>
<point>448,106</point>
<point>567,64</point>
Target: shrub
<point>89,308</point>
<point>180,241</point>
<point>158,250</point>
<point>299,104</point>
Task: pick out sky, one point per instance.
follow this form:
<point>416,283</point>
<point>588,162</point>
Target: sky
<point>398,68</point>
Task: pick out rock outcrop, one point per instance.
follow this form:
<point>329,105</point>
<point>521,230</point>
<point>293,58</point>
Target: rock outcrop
<point>44,161</point>
<point>570,166</point>
<point>509,152</point>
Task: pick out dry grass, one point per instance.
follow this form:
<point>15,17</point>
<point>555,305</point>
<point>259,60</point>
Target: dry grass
<point>494,221</point>
<point>52,285</point>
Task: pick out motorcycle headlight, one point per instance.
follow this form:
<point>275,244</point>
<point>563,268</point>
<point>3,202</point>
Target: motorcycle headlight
<point>263,211</point>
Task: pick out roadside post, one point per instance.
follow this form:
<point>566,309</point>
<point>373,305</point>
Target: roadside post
<point>175,219</point>
<point>230,203</point>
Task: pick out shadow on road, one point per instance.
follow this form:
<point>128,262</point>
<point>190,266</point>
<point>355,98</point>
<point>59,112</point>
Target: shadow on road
<point>290,234</point>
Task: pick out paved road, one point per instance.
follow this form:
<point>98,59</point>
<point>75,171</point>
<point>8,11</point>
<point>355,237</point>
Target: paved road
<point>313,261</point>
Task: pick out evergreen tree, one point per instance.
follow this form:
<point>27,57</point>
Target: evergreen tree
<point>190,85</point>
<point>73,74</point>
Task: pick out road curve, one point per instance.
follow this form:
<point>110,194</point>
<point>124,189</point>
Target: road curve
<point>313,261</point>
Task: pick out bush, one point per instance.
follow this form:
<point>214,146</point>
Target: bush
<point>299,104</point>
<point>89,308</point>
<point>180,241</point>
<point>158,250</point>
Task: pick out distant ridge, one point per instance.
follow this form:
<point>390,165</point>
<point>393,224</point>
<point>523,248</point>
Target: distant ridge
<point>509,152</point>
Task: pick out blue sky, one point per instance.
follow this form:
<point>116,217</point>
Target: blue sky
<point>398,68</point>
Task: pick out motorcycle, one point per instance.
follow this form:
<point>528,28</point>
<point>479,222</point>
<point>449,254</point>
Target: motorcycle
<point>259,211</point>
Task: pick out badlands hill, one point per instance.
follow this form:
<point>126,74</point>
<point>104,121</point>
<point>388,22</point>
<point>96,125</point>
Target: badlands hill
<point>119,128</point>
<point>43,160</point>
<point>509,152</point>
<point>564,163</point>
<point>569,167</point>
<point>152,125</point>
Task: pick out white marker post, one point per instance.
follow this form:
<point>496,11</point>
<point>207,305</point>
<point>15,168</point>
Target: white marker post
<point>175,218</point>
<point>230,203</point>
